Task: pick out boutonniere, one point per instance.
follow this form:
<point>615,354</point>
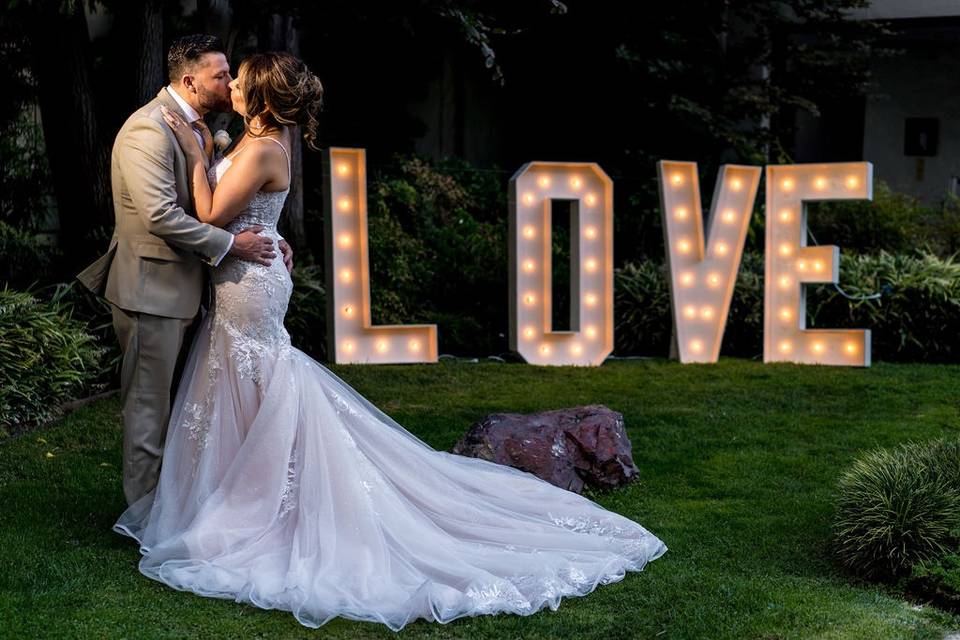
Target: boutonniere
<point>221,140</point>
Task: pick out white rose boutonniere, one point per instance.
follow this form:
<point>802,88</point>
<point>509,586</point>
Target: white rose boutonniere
<point>221,140</point>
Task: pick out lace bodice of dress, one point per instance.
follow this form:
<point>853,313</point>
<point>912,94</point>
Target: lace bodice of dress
<point>250,299</point>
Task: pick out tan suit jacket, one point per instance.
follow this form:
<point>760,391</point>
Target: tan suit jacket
<point>155,261</point>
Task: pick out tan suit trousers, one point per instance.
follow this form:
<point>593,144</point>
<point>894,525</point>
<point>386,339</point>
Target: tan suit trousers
<point>152,357</point>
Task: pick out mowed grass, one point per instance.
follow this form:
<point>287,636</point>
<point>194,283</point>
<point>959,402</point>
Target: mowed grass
<point>738,463</point>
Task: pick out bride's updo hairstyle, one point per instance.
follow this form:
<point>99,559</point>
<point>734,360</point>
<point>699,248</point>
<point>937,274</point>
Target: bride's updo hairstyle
<point>280,89</point>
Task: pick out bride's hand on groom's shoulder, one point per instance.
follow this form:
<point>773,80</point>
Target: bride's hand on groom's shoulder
<point>184,132</point>
<point>249,245</point>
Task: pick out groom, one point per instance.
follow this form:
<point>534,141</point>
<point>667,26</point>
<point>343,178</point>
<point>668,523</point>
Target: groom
<point>153,273</point>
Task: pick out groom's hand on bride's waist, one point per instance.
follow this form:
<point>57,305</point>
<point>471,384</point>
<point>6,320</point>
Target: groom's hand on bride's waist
<point>249,245</point>
<point>287,255</point>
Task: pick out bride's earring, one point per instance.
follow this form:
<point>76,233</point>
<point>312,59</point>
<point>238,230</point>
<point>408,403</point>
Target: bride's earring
<point>256,125</point>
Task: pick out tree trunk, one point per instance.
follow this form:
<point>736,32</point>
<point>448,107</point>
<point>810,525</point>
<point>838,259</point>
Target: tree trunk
<point>79,160</point>
<point>149,74</point>
<point>278,33</point>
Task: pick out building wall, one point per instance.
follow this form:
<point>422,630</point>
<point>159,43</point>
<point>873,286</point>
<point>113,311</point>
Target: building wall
<point>922,82</point>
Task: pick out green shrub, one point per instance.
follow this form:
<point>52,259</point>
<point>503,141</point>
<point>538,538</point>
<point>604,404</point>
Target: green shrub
<point>894,509</point>
<point>24,260</point>
<point>46,357</point>
<point>306,319</point>
<point>937,581</point>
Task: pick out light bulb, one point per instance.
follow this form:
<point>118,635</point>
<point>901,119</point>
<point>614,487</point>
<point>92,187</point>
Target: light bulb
<point>696,346</point>
<point>529,298</point>
<point>850,347</point>
<point>529,232</point>
<point>787,184</point>
<point>414,345</point>
<point>590,232</point>
<point>690,311</point>
<point>346,240</point>
<point>818,347</point>
<point>683,246</point>
<point>786,249</point>
<point>545,349</point>
<point>590,264</point>
<point>382,345</point>
<point>591,332</point>
<point>346,275</point>
<point>348,346</point>
<point>576,349</point>
<point>576,183</point>
<point>818,265</point>
<point>591,199</point>
<point>736,184</point>
<point>543,181</point>
<point>801,265</point>
<point>687,279</point>
<point>786,313</point>
<point>529,333</point>
<point>681,213</point>
<point>344,204</point>
<point>343,169</point>
<point>713,279</point>
<point>722,248</point>
<point>820,183</point>
<point>348,311</point>
<point>852,182</point>
<point>590,299</point>
<point>706,313</point>
<point>676,179</point>
<point>529,266</point>
<point>729,216</point>
<point>784,282</point>
<point>785,346</point>
<point>528,199</point>
<point>786,215</point>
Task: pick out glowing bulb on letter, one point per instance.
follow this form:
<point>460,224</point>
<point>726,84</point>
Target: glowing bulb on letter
<point>687,279</point>
<point>785,346</point>
<point>382,345</point>
<point>346,240</point>
<point>736,184</point>
<point>348,311</point>
<point>729,216</point>
<point>785,215</point>
<point>801,265</point>
<point>852,182</point>
<point>696,346</point>
<point>591,264</point>
<point>348,346</point>
<point>543,181</point>
<point>786,313</point>
<point>590,299</point>
<point>576,349</point>
<point>706,313</point>
<point>414,345</point>
<point>784,282</point>
<point>683,246</point>
<point>713,279</point>
<point>591,332</point>
<point>529,266</point>
<point>545,349</point>
<point>820,184</point>
<point>344,204</point>
<point>529,333</point>
<point>681,213</point>
<point>590,232</point>
<point>818,265</point>
<point>722,249</point>
<point>787,184</point>
<point>690,311</point>
<point>786,249</point>
<point>528,199</point>
<point>529,298</point>
<point>591,199</point>
<point>850,347</point>
<point>343,169</point>
<point>818,347</point>
<point>529,232</point>
<point>346,275</point>
<point>576,183</point>
<point>676,179</point>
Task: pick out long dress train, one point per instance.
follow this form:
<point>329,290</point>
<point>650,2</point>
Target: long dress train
<point>283,487</point>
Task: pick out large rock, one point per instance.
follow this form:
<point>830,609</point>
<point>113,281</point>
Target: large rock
<point>566,447</point>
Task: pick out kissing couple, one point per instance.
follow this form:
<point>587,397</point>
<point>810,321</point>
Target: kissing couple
<point>268,479</point>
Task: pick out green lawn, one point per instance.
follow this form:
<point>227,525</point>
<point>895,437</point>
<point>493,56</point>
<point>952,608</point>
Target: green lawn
<point>738,463</point>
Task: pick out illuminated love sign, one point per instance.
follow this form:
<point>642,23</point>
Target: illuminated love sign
<point>702,265</point>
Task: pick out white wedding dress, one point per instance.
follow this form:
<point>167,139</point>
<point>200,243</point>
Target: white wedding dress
<point>284,488</point>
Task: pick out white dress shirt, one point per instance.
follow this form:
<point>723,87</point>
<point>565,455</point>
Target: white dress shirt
<point>192,116</point>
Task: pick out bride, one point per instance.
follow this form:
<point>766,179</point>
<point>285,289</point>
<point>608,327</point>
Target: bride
<point>284,488</point>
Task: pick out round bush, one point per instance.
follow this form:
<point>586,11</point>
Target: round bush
<point>894,510</point>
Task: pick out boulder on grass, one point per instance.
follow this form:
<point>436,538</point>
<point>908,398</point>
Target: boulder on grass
<point>566,447</point>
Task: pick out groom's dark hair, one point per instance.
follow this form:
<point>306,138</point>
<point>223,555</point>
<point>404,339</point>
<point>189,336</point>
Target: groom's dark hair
<point>187,51</point>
